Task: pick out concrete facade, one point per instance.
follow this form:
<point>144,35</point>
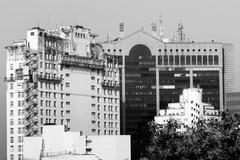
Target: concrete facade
<point>188,111</point>
<point>72,145</point>
<point>60,77</point>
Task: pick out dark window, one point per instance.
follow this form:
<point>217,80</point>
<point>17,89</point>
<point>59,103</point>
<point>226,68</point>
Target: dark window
<point>165,58</point>
<point>188,60</point>
<point>210,60</point>
<point>199,60</point>
<point>204,60</point>
<point>216,61</point>
<point>182,60</point>
<point>160,60</point>
<point>176,60</point>
<point>171,59</point>
<point>193,60</point>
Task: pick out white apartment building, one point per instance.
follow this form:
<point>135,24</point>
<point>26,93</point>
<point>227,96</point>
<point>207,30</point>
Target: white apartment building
<point>188,111</point>
<point>60,77</point>
<point>73,145</point>
<point>15,99</point>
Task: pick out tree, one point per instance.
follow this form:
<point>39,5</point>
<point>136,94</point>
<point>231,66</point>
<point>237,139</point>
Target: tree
<point>207,141</point>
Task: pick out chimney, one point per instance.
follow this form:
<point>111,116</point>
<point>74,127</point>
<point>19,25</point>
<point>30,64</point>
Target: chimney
<point>121,30</point>
<point>154,29</point>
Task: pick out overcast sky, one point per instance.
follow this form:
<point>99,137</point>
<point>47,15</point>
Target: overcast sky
<point>203,20</point>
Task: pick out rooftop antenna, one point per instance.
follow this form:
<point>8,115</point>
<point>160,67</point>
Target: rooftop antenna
<point>180,32</point>
<point>161,29</point>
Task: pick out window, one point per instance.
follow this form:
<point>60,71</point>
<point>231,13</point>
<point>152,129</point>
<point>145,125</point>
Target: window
<point>67,75</point>
<point>204,60</point>
<point>11,85</point>
<point>182,60</point>
<point>11,103</point>
<point>199,60</point>
<point>19,148</point>
<point>11,122</point>
<point>188,61</point>
<point>19,103</point>
<point>176,60</point>
<point>171,59</point>
<point>67,84</point>
<point>32,33</point>
<point>216,62</point>
<point>19,156</point>
<point>160,60</point>
<point>19,130</point>
<point>19,139</point>
<point>210,60</point>
<point>165,60</point>
<point>194,60</point>
<point>11,140</point>
<point>11,112</point>
<point>11,66</point>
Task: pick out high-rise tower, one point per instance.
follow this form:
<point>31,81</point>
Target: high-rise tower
<point>153,73</point>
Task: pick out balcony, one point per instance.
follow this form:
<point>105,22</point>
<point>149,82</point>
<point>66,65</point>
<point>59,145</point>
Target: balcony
<point>83,62</point>
<point>110,85</point>
<point>49,78</point>
<point>12,79</point>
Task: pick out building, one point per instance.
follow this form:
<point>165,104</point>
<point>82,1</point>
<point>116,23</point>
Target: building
<point>60,77</point>
<point>233,102</point>
<point>188,111</point>
<point>73,145</point>
<point>154,71</point>
<point>15,99</point>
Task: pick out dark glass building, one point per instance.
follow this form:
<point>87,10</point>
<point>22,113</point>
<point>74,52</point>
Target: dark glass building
<point>154,73</point>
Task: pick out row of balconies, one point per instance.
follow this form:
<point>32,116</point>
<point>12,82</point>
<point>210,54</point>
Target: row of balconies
<point>110,85</point>
<point>49,78</point>
<point>84,62</point>
<point>12,79</point>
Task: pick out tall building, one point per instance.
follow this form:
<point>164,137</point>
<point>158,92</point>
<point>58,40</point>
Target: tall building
<point>188,111</point>
<point>154,72</point>
<point>233,102</point>
<point>60,77</point>
<point>74,146</point>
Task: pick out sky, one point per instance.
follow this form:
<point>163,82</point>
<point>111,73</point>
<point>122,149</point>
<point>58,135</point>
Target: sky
<point>204,20</point>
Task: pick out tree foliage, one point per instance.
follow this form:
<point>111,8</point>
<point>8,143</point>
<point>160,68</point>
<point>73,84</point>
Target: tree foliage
<point>207,141</point>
